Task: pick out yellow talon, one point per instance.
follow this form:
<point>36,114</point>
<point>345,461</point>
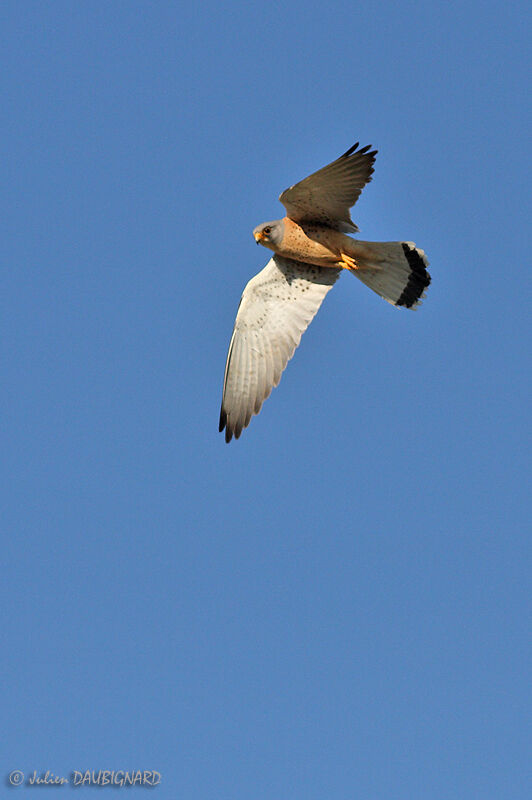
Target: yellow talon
<point>347,262</point>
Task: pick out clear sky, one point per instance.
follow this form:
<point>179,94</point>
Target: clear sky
<point>338,604</point>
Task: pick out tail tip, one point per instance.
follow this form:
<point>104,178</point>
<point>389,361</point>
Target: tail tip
<point>418,280</point>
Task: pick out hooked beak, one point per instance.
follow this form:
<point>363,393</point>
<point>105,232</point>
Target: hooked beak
<point>258,237</point>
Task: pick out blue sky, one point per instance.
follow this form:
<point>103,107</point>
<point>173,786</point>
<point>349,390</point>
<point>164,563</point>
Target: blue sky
<point>338,604</point>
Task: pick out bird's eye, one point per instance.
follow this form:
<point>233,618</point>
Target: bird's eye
<point>267,231</point>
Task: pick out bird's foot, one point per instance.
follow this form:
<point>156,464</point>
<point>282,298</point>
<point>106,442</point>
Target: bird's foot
<point>347,262</point>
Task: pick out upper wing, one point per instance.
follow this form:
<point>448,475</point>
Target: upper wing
<point>275,310</point>
<point>328,194</point>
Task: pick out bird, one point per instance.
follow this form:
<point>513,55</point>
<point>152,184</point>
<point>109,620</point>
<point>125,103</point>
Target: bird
<point>311,247</point>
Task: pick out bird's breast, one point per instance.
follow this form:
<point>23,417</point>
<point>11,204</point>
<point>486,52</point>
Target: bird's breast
<point>312,243</point>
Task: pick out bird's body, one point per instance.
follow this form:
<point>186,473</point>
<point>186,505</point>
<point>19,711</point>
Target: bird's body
<point>313,243</point>
<point>316,243</point>
<point>311,247</point>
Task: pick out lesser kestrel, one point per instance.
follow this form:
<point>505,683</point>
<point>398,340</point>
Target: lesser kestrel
<point>311,247</point>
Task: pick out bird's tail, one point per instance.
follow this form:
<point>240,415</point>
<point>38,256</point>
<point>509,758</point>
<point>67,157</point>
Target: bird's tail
<point>397,271</point>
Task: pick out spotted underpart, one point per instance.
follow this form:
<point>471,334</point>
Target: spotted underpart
<point>311,247</point>
<point>277,306</point>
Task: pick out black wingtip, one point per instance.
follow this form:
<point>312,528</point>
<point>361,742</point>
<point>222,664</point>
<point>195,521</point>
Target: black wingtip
<point>351,150</point>
<point>223,424</point>
<point>418,280</point>
<point>366,150</point>
<point>223,419</point>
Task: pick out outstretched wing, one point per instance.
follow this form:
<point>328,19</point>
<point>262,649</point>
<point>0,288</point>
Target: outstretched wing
<point>275,310</point>
<point>327,195</point>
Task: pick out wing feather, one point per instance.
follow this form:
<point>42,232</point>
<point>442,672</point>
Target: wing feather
<point>327,195</point>
<point>275,310</point>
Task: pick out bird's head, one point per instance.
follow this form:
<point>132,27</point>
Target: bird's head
<point>269,234</point>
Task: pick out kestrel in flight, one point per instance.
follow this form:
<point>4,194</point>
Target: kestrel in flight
<point>311,247</point>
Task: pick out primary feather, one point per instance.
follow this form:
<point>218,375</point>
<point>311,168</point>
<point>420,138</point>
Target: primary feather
<point>275,310</point>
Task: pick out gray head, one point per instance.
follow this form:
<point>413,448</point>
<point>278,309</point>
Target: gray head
<point>270,234</point>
